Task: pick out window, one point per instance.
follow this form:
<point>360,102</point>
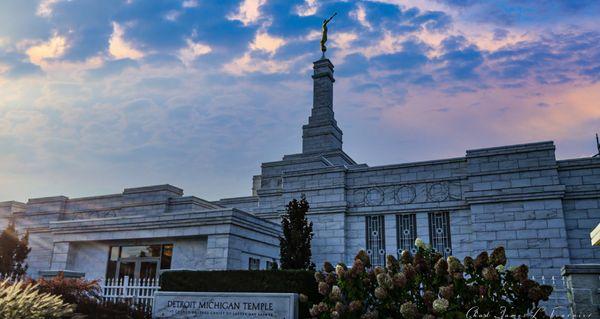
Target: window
<point>376,239</point>
<point>166,256</point>
<point>439,232</point>
<point>270,264</point>
<point>253,263</point>
<point>406,227</point>
<point>138,261</point>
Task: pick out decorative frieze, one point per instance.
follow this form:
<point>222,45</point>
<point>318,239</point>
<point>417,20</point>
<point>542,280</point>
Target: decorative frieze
<point>405,194</point>
<point>92,214</point>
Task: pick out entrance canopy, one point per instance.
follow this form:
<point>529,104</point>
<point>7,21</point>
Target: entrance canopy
<point>141,246</point>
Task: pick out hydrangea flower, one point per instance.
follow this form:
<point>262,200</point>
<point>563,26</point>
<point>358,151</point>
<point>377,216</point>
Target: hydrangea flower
<point>323,288</point>
<point>340,270</point>
<point>380,293</point>
<point>409,310</point>
<point>384,280</point>
<point>336,293</point>
<point>419,243</point>
<point>440,305</point>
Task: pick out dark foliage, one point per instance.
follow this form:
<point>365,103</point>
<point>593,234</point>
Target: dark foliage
<point>13,251</point>
<point>72,290</point>
<point>95,309</point>
<point>294,246</point>
<point>291,281</point>
<point>85,294</point>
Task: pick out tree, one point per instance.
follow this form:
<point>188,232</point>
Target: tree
<point>294,246</point>
<point>13,251</point>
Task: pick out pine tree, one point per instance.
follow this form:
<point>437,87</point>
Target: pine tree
<point>13,251</point>
<point>297,233</point>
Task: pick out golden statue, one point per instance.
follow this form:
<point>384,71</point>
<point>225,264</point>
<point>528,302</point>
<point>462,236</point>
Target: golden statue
<point>324,38</point>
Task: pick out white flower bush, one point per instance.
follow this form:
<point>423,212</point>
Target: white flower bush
<point>427,286</point>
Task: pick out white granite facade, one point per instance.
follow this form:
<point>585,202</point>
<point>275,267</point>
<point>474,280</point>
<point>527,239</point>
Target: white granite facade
<point>542,210</point>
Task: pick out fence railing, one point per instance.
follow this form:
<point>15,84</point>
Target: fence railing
<point>11,278</point>
<point>131,290</point>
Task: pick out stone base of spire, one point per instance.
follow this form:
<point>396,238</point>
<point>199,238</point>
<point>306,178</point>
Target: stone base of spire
<point>322,134</point>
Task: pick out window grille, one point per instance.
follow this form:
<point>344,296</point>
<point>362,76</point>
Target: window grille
<point>439,232</point>
<point>253,263</point>
<point>376,239</point>
<point>406,232</point>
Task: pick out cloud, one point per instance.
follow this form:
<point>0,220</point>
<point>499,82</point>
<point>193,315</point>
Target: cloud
<point>193,50</point>
<point>119,48</point>
<point>308,8</point>
<point>251,64</point>
<point>172,15</point>
<point>4,41</point>
<point>265,42</point>
<point>16,65</point>
<point>189,4</point>
<point>143,93</point>
<point>343,41</point>
<point>44,8</point>
<point>55,47</point>
<point>112,67</point>
<point>361,16</point>
<point>460,61</point>
<point>411,56</point>
<point>248,12</point>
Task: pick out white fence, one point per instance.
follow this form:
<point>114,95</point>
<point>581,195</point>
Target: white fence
<point>135,291</point>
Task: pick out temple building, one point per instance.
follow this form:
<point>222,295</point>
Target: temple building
<point>540,209</point>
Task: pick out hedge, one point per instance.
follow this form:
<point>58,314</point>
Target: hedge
<point>291,281</point>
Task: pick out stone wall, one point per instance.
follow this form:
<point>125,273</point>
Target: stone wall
<point>515,202</point>
<point>581,205</point>
<point>40,256</point>
<point>189,253</point>
<point>324,188</point>
<point>249,204</point>
<point>90,258</point>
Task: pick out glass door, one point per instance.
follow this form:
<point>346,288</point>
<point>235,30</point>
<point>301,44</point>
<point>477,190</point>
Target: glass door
<point>138,267</point>
<point>138,261</point>
<point>126,267</point>
<point>148,268</point>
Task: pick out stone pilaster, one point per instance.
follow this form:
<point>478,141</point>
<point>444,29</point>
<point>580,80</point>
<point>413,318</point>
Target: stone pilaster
<point>583,289</point>
<point>322,134</point>
<point>60,256</point>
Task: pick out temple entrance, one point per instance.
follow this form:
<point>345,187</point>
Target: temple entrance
<point>139,262</point>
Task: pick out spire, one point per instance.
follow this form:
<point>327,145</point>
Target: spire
<point>597,146</point>
<point>322,134</point>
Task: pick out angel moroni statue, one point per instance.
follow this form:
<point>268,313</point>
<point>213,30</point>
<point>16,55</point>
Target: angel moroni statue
<point>324,37</point>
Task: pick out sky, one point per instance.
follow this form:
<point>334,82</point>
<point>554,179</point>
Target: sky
<point>98,96</point>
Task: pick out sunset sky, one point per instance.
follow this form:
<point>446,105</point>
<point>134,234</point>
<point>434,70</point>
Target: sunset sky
<point>97,96</point>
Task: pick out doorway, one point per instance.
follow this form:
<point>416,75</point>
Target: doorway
<point>138,261</point>
<point>138,267</point>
